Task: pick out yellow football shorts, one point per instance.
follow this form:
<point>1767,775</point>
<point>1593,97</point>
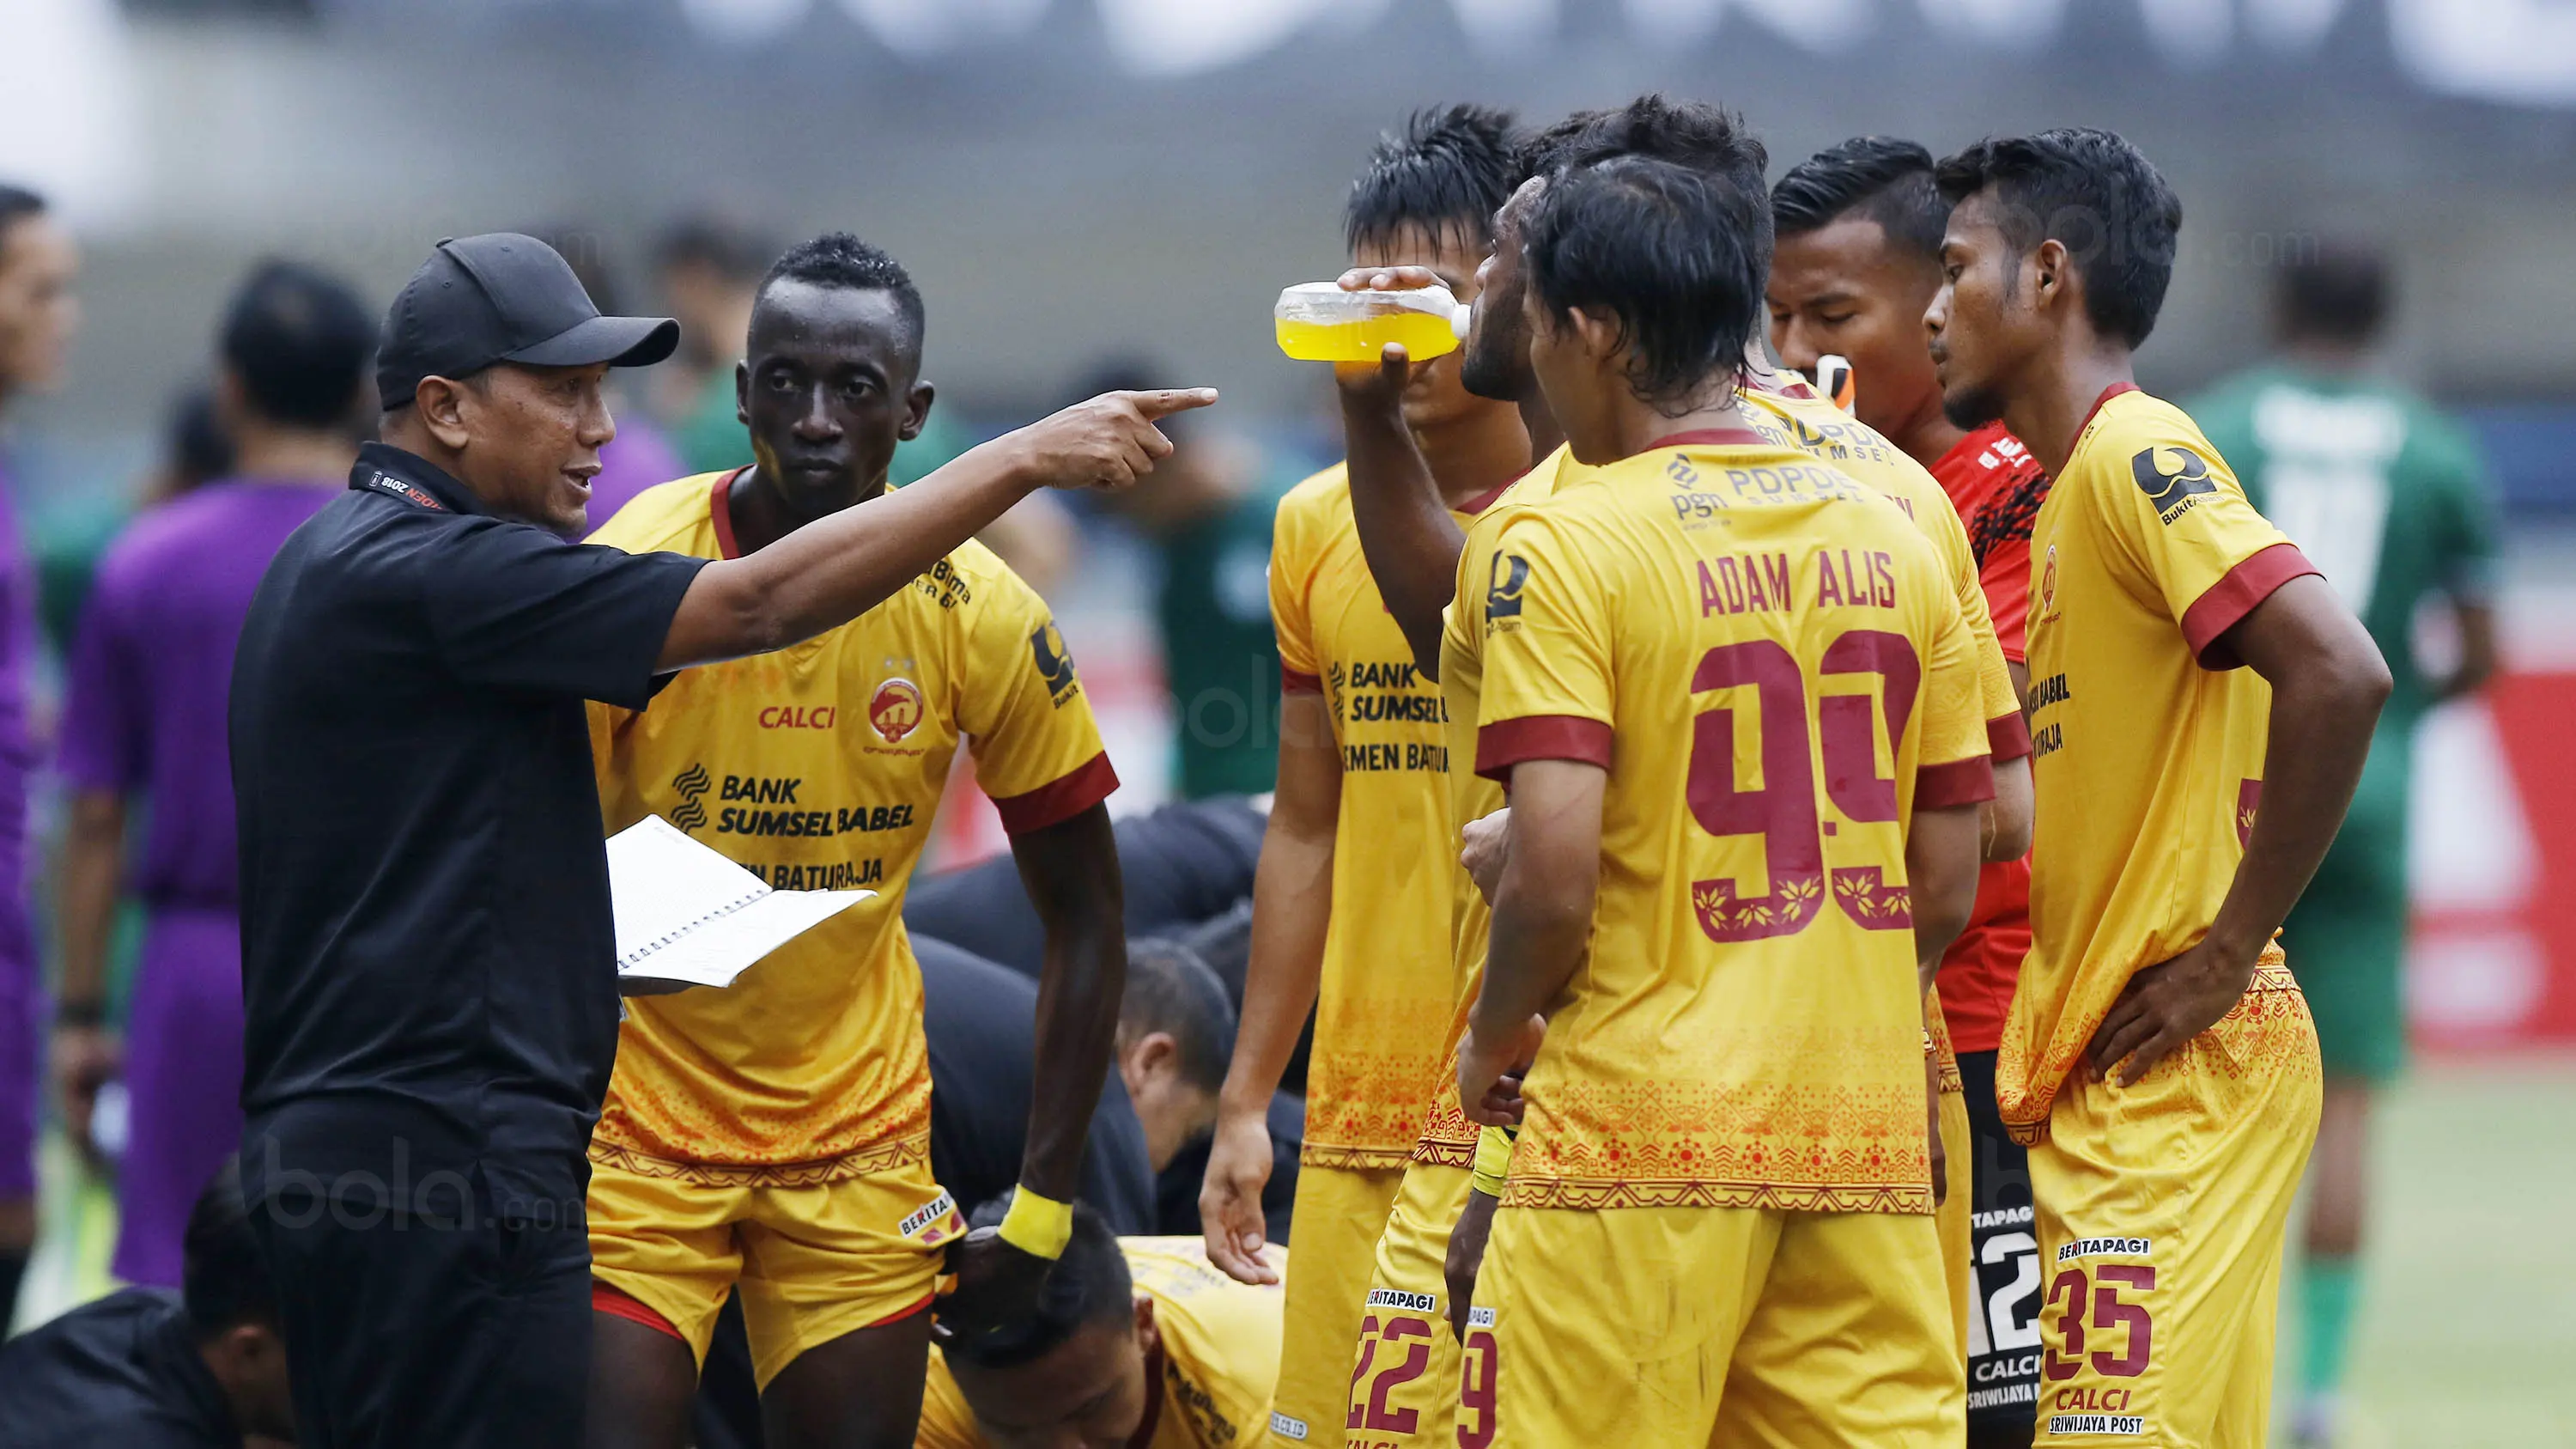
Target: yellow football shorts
<point>1404,1386</point>
<point>2160,1209</point>
<point>1339,1213</point>
<point>1684,1327</point>
<point>1958,1251</point>
<point>814,1260</point>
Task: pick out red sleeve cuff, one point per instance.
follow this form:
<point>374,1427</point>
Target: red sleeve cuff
<point>1066,797</point>
<point>2008,738</point>
<point>1295,682</point>
<point>1960,782</point>
<point>2222,604</point>
<point>1506,743</point>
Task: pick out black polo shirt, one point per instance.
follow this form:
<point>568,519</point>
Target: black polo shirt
<point>124,1371</point>
<point>428,959</point>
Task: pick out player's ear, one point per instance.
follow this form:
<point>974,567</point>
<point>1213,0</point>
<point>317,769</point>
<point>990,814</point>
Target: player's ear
<point>1599,336</point>
<point>742,392</point>
<point>1147,1334</point>
<point>916,411</point>
<point>2049,266</point>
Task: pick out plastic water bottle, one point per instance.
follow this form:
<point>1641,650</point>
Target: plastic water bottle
<point>1319,322</point>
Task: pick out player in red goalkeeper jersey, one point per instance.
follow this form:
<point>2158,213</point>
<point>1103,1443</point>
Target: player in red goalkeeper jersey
<point>1858,258</point>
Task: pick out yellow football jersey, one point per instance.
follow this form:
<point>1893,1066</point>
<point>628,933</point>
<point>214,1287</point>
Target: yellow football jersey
<point>819,767</point>
<point>1385,996</point>
<point>1797,416</point>
<point>2149,739</point>
<point>1220,1355</point>
<point>1447,1136</point>
<point>1767,657</point>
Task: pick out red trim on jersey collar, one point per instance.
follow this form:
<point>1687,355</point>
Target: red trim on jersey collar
<point>720,511</point>
<point>1485,500</point>
<point>1711,438</point>
<point>2108,393</point>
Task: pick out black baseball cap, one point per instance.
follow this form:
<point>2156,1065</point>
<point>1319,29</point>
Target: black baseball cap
<point>504,297</point>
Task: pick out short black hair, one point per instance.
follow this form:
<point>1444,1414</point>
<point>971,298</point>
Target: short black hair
<point>2093,192</point>
<point>299,340</point>
<point>2334,291</point>
<point>838,259</point>
<point>1542,151</point>
<point>1696,135</point>
<point>1169,989</point>
<point>1448,173</point>
<point>1089,1284</point>
<point>726,247</point>
<point>224,1280</point>
<point>1666,251</point>
<point>1883,178</point>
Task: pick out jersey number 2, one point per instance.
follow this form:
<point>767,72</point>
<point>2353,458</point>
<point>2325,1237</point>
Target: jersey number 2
<point>1783,810</point>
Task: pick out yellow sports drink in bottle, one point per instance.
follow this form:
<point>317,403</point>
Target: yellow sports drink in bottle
<point>1319,322</point>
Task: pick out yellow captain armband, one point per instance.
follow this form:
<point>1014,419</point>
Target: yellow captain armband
<point>1037,1225</point>
<point>1493,1160</point>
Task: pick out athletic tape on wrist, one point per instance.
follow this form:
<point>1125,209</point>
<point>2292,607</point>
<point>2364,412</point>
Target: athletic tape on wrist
<point>1037,1225</point>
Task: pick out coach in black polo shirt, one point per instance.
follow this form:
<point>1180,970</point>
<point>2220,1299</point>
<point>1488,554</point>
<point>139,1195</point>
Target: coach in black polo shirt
<point>427,947</point>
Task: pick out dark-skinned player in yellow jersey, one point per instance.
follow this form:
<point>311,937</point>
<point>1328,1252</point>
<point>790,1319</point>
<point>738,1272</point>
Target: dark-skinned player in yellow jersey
<point>774,1136</point>
<point>2201,703</point>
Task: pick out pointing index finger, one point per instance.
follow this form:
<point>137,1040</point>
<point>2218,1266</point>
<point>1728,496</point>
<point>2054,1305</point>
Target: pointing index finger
<point>1165,401</point>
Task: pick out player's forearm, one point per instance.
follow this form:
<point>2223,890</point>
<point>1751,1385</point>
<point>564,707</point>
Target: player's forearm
<point>2323,711</point>
<point>1072,873</point>
<point>1406,533</point>
<point>2008,816</point>
<point>1292,905</point>
<point>85,896</point>
<point>1537,941</point>
<point>834,569</point>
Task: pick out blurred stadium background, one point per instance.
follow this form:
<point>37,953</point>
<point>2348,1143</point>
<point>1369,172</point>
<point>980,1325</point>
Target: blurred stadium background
<point>1076,181</point>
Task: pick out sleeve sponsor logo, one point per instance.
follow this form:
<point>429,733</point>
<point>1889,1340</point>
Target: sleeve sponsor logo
<point>1055,666</point>
<point>1286,1427</point>
<point>1480,1318</point>
<point>2171,478</point>
<point>691,783</point>
<point>895,709</point>
<point>1506,576</point>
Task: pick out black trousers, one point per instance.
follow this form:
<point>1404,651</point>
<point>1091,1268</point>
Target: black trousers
<point>430,1328</point>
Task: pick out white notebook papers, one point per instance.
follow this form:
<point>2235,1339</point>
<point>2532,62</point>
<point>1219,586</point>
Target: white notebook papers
<point>686,916</point>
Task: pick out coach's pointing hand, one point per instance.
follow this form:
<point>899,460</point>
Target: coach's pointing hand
<point>1109,441</point>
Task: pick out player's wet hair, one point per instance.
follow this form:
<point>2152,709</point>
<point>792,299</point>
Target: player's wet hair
<point>2335,292</point>
<point>2091,191</point>
<point>1882,178</point>
<point>224,1281</point>
<point>725,247</point>
<point>1089,1284</point>
<point>1668,253</point>
<point>1542,151</point>
<point>1169,989</point>
<point>1706,138</point>
<point>1448,173</point>
<point>298,340</point>
<point>838,259</point>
